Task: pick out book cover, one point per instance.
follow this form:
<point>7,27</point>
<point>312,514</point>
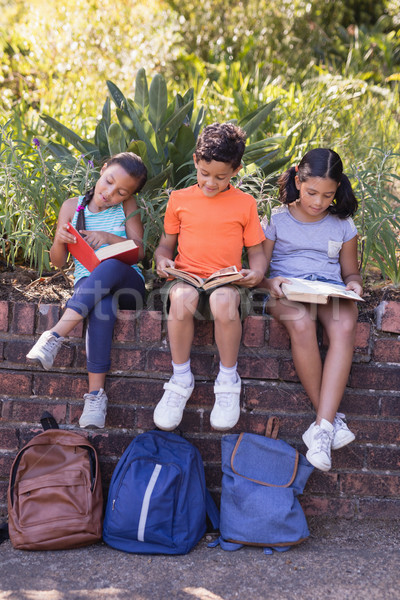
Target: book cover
<point>126,251</point>
<point>315,292</point>
<point>220,277</point>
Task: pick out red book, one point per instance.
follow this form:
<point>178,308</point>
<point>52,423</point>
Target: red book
<point>126,251</point>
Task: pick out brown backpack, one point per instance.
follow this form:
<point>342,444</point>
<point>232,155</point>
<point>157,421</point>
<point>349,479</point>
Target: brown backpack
<point>55,498</point>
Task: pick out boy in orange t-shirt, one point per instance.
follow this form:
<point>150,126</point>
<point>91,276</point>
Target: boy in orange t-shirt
<point>211,222</point>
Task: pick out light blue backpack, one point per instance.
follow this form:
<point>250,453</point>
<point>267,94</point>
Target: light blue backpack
<point>262,477</point>
<point>158,500</point>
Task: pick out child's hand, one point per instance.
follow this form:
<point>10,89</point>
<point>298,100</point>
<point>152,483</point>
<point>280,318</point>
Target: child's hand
<point>251,278</point>
<point>63,236</point>
<point>163,262</point>
<point>95,239</point>
<point>274,286</point>
<point>355,286</point>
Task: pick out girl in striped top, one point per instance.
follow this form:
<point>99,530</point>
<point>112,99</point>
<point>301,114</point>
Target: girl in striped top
<point>100,216</point>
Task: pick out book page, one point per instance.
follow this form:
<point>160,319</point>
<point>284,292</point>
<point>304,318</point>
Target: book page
<point>114,249</point>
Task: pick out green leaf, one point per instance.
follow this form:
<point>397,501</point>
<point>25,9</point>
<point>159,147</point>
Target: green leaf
<point>140,148</point>
<point>106,112</point>
<point>101,138</point>
<point>157,181</point>
<point>116,94</point>
<point>158,101</point>
<point>257,118</point>
<point>71,137</point>
<point>171,126</point>
<point>116,139</point>
<point>147,134</point>
<point>141,89</point>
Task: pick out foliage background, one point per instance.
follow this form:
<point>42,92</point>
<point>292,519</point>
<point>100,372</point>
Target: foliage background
<point>332,66</point>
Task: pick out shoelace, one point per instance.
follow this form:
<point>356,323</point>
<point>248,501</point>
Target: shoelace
<point>324,441</point>
<point>174,399</point>
<point>49,344</point>
<point>94,404</point>
<point>225,400</point>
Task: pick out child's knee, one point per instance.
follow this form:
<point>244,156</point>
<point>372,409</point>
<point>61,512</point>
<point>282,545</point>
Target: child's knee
<point>224,304</point>
<point>183,300</point>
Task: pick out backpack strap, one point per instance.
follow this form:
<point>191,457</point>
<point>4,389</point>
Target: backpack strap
<point>48,421</point>
<point>272,428</point>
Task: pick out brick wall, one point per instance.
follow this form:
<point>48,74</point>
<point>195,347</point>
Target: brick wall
<point>365,478</point>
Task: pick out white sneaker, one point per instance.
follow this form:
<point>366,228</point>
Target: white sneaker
<point>95,410</point>
<point>169,411</point>
<point>318,439</point>
<point>46,349</point>
<point>226,411</point>
<point>341,433</point>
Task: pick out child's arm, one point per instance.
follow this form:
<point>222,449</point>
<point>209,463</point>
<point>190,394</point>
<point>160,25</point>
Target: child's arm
<point>164,253</point>
<point>257,264</point>
<point>58,251</point>
<point>273,285</point>
<point>349,266</point>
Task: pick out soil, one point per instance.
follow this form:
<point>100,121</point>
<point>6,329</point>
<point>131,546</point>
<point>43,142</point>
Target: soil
<point>22,284</point>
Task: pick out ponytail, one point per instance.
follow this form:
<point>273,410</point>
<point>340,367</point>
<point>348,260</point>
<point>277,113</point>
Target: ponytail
<point>80,209</point>
<point>288,191</point>
<point>345,203</point>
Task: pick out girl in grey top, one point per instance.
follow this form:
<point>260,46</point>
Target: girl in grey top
<point>312,236</point>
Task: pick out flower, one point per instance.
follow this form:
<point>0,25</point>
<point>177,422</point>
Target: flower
<point>36,142</point>
<point>91,164</point>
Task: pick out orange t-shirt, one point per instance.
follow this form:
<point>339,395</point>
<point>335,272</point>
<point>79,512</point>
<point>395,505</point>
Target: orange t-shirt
<point>212,231</point>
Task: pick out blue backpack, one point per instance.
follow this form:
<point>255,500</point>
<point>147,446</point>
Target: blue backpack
<point>262,477</point>
<point>158,501</point>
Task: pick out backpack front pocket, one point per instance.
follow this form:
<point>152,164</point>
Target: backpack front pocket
<point>54,497</point>
<point>144,502</point>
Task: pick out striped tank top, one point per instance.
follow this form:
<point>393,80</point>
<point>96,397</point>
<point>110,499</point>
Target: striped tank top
<point>111,220</point>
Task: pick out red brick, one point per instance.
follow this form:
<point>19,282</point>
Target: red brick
<point>6,461</point>
<point>209,447</point>
<point>278,335</point>
<point>323,483</point>
<point>11,381</point>
<point>23,318</point>
<point>110,443</point>
<point>160,361</point>
<point>150,326</point>
<point>375,377</point>
<point>56,385</point>
<point>15,350</point>
<point>135,392</point>
<point>213,476</point>
<point>30,411</point>
<point>287,372</point>
<point>203,333</point>
<point>8,438</point>
<point>370,484</point>
<point>323,506</point>
<point>125,326</point>
<point>121,417</point>
<point>144,419</point>
<point>127,359</point>
<point>349,457</point>
<point>363,333</point>
<point>364,403</point>
<point>258,367</point>
<point>49,315</point>
<point>4,315</point>
<point>204,365</point>
<point>387,350</point>
<point>376,431</point>
<point>254,332</point>
<point>390,406</point>
<point>2,345</point>
<point>390,319</point>
<point>270,397</point>
<point>379,508</point>
<point>3,497</point>
<point>383,459</point>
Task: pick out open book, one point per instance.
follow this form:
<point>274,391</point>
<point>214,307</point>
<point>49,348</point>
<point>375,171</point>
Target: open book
<point>221,277</point>
<point>316,292</point>
<point>126,251</point>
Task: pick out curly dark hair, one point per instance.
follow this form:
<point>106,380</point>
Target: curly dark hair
<point>223,142</point>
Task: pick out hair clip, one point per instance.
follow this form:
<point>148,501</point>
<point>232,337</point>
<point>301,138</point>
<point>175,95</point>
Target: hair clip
<point>79,208</point>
